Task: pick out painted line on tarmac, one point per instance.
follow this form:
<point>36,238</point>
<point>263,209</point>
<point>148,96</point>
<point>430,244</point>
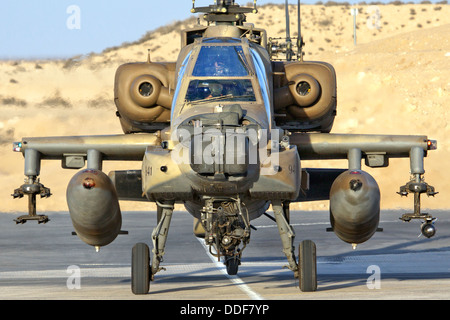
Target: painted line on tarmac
<point>234,279</point>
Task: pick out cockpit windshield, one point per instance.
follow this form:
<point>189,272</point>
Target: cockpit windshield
<point>221,61</point>
<point>220,90</point>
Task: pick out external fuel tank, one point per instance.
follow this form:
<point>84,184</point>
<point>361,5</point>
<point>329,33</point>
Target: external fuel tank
<point>94,207</point>
<point>354,206</point>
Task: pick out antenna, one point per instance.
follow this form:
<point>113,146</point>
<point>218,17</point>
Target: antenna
<point>288,34</point>
<point>300,42</point>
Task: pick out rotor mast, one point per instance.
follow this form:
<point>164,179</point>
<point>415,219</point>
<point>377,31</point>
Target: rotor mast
<point>224,12</point>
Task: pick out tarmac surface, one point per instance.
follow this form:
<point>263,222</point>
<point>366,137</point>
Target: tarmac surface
<point>46,262</point>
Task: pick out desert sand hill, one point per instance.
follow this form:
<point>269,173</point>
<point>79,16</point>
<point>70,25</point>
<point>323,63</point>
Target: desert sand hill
<point>394,81</point>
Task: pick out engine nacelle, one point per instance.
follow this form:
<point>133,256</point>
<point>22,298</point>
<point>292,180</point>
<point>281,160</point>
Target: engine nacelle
<point>304,95</point>
<point>143,94</point>
<point>94,207</point>
<point>354,206</point>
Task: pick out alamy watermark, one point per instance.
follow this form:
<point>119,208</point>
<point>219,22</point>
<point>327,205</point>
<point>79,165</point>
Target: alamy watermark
<point>74,279</point>
<point>73,21</point>
<point>373,20</point>
<point>374,280</point>
<point>231,146</point>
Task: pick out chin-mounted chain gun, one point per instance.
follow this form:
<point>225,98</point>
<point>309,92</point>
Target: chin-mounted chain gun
<point>418,186</point>
<point>32,186</point>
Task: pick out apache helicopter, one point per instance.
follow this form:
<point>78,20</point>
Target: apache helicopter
<point>223,131</point>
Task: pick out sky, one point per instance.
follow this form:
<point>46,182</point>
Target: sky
<point>48,29</point>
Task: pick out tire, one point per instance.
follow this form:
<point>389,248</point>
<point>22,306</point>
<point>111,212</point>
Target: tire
<point>140,269</point>
<point>307,266</point>
<point>232,264</point>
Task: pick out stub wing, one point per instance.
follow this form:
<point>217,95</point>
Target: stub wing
<point>376,150</point>
<point>73,152</point>
<point>354,195</point>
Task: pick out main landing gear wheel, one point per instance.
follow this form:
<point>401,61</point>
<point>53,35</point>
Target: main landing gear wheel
<point>140,269</point>
<point>307,266</point>
<point>232,264</point>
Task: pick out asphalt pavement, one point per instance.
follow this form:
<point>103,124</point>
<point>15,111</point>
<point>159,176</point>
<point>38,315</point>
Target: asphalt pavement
<point>47,262</point>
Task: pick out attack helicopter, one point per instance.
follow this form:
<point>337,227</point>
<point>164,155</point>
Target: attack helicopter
<point>223,130</point>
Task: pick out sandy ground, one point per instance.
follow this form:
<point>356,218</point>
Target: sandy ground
<point>394,81</point>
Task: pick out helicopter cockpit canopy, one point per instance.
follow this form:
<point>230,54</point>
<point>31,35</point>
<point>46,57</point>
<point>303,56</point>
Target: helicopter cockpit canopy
<point>221,61</point>
<point>220,71</point>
